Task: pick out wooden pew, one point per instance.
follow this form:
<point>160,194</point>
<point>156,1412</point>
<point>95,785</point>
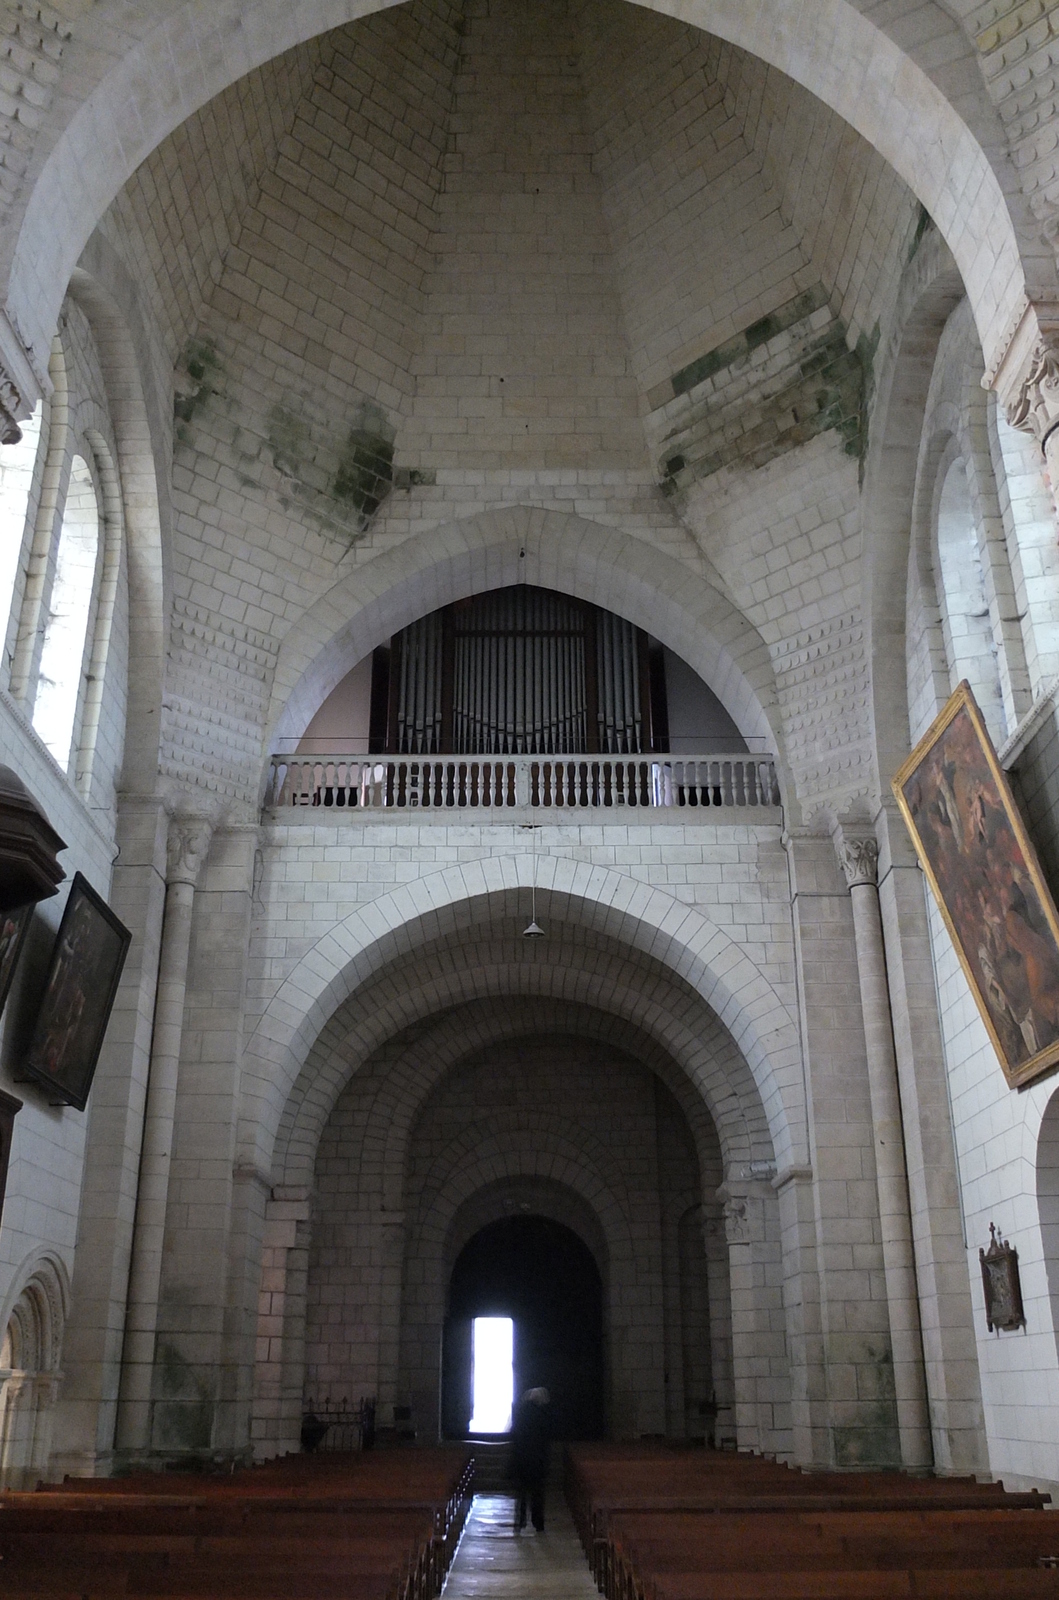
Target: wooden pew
<point>381,1528</point>
<point>659,1523</point>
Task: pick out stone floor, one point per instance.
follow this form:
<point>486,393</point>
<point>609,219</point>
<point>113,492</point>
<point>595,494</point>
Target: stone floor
<point>494,1563</point>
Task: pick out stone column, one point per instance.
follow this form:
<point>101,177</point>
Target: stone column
<point>950,1347</point>
<point>859,857</point>
<point>760,1367</point>
<point>216,1209</point>
<point>389,1252</point>
<point>802,1315</point>
<point>276,1415</point>
<point>839,1245</point>
<point>718,1283</point>
<point>187,848</point>
<point>92,1347</point>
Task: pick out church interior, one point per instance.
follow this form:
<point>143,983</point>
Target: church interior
<point>493,496</point>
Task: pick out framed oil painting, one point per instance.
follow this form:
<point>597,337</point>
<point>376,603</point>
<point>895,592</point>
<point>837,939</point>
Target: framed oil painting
<point>78,995</point>
<point>984,874</point>
<point>14,925</point>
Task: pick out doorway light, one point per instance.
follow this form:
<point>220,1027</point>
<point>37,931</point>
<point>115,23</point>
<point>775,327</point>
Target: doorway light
<point>492,1374</point>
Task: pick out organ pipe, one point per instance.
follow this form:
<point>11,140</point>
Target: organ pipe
<point>517,671</point>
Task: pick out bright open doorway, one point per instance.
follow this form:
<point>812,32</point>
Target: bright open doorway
<point>492,1375</point>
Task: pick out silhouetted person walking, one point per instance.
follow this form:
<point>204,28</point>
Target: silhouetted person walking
<point>530,1438</point>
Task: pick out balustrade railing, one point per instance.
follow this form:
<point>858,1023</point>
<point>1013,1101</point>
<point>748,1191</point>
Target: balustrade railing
<point>504,783</point>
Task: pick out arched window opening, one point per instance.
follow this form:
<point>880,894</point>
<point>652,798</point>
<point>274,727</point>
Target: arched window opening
<point>969,642</point>
<point>16,480</point>
<point>63,651</point>
<point>29,1379</point>
<point>1030,514</point>
<point>97,655</point>
<point>1048,1202</point>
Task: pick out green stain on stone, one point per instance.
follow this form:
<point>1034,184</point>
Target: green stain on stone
<point>924,223</point>
<point>364,476</point>
<point>758,333</point>
<point>183,1412</point>
<point>202,365</point>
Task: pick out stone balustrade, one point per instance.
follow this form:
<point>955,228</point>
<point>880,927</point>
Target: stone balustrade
<point>505,783</point>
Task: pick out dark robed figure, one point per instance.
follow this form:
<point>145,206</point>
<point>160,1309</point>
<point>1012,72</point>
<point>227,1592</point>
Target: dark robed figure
<point>530,1439</point>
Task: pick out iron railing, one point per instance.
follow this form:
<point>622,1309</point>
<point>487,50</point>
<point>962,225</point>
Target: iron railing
<point>336,1426</point>
<point>504,783</point>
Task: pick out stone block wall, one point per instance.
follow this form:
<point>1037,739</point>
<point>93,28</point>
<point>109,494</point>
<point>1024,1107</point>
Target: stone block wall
<point>41,1214</point>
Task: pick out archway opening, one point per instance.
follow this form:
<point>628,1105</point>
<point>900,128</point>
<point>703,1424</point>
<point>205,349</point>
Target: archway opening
<point>544,1277</point>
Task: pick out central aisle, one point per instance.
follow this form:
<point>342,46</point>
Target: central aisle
<point>492,1561</point>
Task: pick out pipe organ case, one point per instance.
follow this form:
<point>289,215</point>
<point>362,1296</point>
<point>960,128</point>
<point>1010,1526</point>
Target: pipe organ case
<point>520,671</point>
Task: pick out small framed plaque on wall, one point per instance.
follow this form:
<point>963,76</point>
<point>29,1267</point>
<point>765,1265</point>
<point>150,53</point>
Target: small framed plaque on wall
<point>1003,1288</point>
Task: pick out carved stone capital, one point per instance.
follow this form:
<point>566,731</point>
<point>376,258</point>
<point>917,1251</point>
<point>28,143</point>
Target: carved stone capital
<point>1026,375</point>
<point>858,856</point>
<point>11,402</point>
<point>187,848</point>
<point>737,1220</point>
<point>1034,406</point>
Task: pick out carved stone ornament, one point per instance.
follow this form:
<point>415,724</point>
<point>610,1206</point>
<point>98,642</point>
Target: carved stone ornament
<point>859,856</point>
<point>1003,1288</point>
<point>10,400</point>
<point>1034,407</point>
<point>737,1220</point>
<point>186,849</point>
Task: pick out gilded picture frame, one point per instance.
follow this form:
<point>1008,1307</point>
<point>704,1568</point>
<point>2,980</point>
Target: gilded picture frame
<point>984,875</point>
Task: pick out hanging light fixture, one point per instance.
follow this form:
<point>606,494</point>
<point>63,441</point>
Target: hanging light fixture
<point>533,930</point>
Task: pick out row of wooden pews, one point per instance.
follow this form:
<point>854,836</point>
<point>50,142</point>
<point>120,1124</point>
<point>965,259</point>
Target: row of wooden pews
<point>661,1523</point>
<point>378,1526</point>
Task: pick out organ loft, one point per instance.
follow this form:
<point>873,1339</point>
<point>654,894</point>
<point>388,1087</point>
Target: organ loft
<point>497,498</point>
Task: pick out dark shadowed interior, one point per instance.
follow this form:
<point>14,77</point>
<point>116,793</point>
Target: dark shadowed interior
<point>544,1277</point>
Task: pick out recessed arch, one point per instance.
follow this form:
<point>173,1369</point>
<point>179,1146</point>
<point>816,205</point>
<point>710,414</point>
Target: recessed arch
<point>648,919</point>
<point>831,49</point>
<point>930,292</point>
<point>546,1197</point>
<point>679,1041</point>
<point>556,550</point>
<point>139,471</point>
<point>32,1324</point>
<point>61,669</point>
<point>1048,1204</point>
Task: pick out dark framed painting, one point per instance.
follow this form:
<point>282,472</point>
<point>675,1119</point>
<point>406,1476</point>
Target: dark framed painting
<point>9,1110</point>
<point>79,992</point>
<point>14,925</point>
<point>984,874</point>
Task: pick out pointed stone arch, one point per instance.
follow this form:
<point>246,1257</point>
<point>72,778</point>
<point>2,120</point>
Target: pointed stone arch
<point>680,937</point>
<point>525,544</point>
<point>667,1028</point>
